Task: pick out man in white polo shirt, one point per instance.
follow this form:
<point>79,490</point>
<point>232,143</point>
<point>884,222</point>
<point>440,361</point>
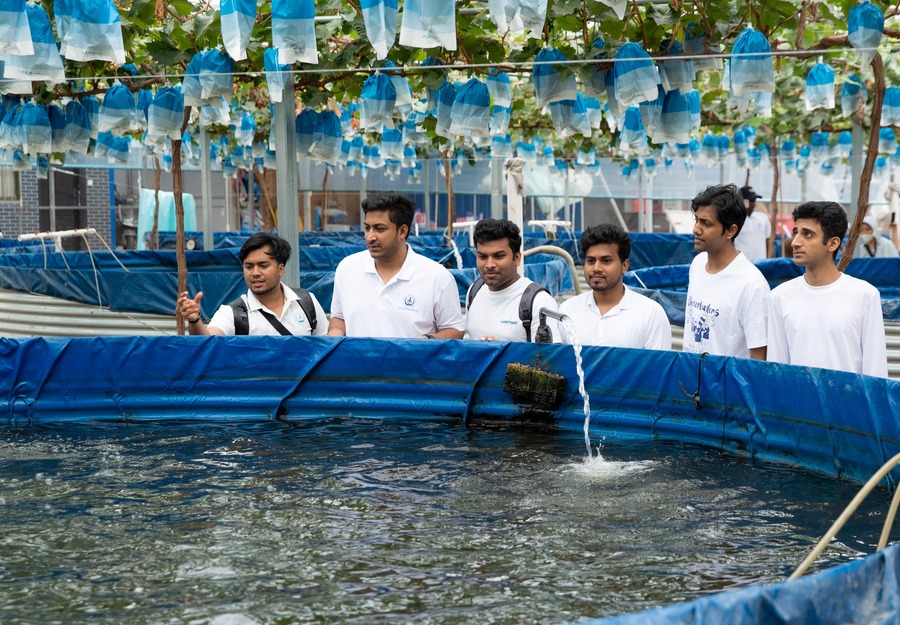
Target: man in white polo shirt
<point>612,314</point>
<point>389,290</point>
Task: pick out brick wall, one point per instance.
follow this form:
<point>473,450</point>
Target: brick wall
<point>18,218</point>
<point>98,211</point>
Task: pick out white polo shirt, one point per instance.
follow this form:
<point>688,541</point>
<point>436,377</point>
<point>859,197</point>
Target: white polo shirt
<point>292,316</point>
<point>496,313</point>
<point>636,321</point>
<point>421,299</point>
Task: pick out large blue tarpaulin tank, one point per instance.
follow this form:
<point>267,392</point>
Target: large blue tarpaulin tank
<point>147,282</point>
<point>648,249</point>
<point>835,423</point>
<point>668,285</point>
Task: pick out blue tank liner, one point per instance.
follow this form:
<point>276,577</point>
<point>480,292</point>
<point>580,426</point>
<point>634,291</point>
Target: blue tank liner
<point>647,249</point>
<point>668,285</point>
<point>864,591</point>
<point>835,423</point>
<point>151,282</point>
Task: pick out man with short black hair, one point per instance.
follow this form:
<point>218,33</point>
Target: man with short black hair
<point>495,313</point>
<point>728,297</point>
<point>269,307</point>
<point>389,290</point>
<point>826,318</point>
<point>611,313</point>
<point>752,240</point>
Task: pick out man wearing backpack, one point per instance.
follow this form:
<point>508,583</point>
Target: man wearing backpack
<point>269,307</point>
<point>611,313</point>
<point>509,308</point>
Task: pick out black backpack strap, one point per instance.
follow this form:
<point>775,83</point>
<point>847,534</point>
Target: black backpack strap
<point>273,321</point>
<point>473,290</point>
<point>309,308</point>
<point>526,304</point>
<point>241,322</point>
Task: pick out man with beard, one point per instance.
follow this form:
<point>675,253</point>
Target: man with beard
<point>728,297</point>
<point>269,307</point>
<point>612,314</point>
<point>509,308</point>
<point>389,290</point>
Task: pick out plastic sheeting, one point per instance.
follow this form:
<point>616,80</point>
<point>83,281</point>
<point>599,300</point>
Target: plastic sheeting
<point>668,285</point>
<point>166,215</point>
<point>865,591</point>
<point>832,422</point>
<point>149,284</point>
<point>836,423</point>
<point>647,249</point>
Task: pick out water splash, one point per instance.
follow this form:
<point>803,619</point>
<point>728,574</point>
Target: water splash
<point>598,469</point>
<point>456,254</point>
<point>576,346</point>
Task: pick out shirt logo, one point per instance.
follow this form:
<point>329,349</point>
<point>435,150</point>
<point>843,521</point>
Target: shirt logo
<point>409,301</point>
<point>299,319</point>
<point>509,322</point>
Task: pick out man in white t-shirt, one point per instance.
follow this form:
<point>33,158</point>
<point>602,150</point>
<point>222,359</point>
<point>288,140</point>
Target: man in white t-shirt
<point>492,313</point>
<point>752,240</point>
<point>389,290</point>
<point>269,307</point>
<point>826,318</point>
<point>611,313</point>
<point>728,297</point>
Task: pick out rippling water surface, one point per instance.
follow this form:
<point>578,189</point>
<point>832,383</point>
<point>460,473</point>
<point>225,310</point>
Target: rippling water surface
<point>362,521</point>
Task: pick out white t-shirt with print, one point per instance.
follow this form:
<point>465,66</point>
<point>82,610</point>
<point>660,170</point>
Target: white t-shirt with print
<point>636,321</point>
<point>726,311</point>
<point>836,326</point>
<point>421,299</point>
<point>496,313</point>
